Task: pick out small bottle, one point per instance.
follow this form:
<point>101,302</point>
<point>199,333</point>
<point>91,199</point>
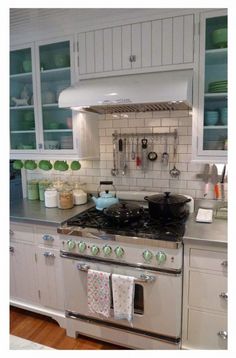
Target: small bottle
<point>51,197</point>
<point>32,189</point>
<point>43,185</point>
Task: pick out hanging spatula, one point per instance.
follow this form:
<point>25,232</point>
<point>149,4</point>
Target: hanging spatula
<point>206,173</point>
<point>214,180</point>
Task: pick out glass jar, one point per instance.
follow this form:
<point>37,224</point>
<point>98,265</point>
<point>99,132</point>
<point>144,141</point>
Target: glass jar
<point>32,189</point>
<point>43,185</point>
<point>51,197</point>
<point>65,198</point>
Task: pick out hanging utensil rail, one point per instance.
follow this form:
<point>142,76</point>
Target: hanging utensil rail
<point>125,135</point>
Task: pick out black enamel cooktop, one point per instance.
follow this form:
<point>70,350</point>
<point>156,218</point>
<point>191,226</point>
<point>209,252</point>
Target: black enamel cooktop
<point>144,227</point>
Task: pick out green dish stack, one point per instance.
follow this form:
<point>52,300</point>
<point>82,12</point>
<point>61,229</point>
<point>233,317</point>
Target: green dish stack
<point>218,86</point>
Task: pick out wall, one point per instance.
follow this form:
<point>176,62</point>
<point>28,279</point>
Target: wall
<point>157,178</point>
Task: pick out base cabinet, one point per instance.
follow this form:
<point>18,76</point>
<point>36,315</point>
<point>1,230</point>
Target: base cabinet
<point>205,297</point>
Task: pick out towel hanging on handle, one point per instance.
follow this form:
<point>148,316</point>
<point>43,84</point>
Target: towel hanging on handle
<point>99,292</point>
<point>123,296</point>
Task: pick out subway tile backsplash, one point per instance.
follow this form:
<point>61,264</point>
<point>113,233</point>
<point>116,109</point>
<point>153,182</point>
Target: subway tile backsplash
<point>157,177</point>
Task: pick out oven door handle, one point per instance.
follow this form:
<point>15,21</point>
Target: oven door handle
<point>142,278</point>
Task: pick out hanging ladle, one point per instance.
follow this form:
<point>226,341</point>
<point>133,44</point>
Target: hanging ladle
<point>152,155</point>
<point>114,170</point>
<point>165,155</point>
<point>174,172</point>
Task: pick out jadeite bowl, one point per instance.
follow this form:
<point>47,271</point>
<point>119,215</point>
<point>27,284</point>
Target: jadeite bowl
<point>219,38</point>
<point>211,118</point>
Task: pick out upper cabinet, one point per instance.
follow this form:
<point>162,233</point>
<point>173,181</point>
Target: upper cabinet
<point>210,114</point>
<point>38,127</point>
<point>141,47</point>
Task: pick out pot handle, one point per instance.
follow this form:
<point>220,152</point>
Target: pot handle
<point>106,182</point>
<point>146,198</point>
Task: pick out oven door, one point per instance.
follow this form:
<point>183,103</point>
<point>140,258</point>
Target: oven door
<point>157,301</point>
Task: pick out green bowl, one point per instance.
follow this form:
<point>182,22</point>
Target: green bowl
<point>27,67</point>
<point>45,165</point>
<point>219,38</point>
<point>75,165</point>
<point>18,164</point>
<point>30,165</point>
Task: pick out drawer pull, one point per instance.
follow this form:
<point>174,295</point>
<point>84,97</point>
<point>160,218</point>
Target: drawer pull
<point>48,238</point>
<point>12,249</point>
<point>223,334</point>
<point>224,263</point>
<point>11,232</point>
<point>48,254</point>
<point>224,295</point>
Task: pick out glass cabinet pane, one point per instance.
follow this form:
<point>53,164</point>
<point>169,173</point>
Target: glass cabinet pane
<point>55,75</point>
<point>215,87</point>
<point>22,115</point>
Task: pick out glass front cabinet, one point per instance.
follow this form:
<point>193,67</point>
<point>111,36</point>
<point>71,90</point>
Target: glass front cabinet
<point>212,108</point>
<point>38,73</point>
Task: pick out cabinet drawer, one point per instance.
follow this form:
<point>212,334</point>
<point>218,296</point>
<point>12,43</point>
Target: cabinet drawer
<point>21,232</point>
<point>210,260</point>
<point>208,291</point>
<point>206,330</point>
<point>47,236</point>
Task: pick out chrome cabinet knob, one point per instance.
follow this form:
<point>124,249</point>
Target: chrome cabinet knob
<point>224,263</point>
<point>12,249</point>
<point>48,254</point>
<point>223,334</point>
<point>11,232</point>
<point>224,295</point>
<point>48,237</point>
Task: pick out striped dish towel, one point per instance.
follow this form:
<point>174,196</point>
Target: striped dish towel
<point>99,292</point>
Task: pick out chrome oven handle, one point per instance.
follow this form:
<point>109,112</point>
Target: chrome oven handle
<point>83,267</point>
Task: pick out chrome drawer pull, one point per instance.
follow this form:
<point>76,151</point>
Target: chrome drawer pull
<point>141,278</point>
<point>11,232</point>
<point>12,249</point>
<point>48,254</point>
<point>224,263</point>
<point>224,295</point>
<point>223,334</point>
<point>48,238</point>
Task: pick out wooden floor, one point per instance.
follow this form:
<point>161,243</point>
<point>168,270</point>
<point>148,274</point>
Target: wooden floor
<point>46,331</point>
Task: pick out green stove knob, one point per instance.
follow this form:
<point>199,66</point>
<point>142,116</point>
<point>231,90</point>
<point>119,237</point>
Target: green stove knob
<point>70,244</point>
<point>81,246</point>
<point>107,250</point>
<point>147,255</point>
<point>94,250</point>
<point>119,251</point>
<point>161,257</point>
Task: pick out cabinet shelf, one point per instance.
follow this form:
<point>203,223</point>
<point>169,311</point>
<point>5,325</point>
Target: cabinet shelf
<point>56,74</point>
<point>22,77</point>
<point>24,131</point>
<point>14,108</point>
<point>50,105</point>
<point>216,56</point>
<point>57,130</point>
<point>215,127</point>
<point>216,95</point>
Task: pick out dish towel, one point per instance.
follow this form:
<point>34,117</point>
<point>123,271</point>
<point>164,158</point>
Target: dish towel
<point>99,292</point>
<point>123,296</point>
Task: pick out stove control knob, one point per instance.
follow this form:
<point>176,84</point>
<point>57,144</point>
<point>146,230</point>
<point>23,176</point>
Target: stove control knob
<point>94,250</point>
<point>107,250</point>
<point>161,257</point>
<point>70,244</point>
<point>81,246</point>
<point>119,251</point>
<point>147,255</point>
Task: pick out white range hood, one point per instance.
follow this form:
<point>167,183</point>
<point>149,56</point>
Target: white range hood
<point>140,92</point>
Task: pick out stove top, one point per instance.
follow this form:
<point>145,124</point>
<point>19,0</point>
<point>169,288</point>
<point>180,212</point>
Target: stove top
<point>144,227</point>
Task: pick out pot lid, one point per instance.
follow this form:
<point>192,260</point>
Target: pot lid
<point>123,210</point>
<point>168,198</point>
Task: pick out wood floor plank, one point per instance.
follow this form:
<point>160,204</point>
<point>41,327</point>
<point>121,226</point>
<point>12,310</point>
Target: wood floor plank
<point>44,330</point>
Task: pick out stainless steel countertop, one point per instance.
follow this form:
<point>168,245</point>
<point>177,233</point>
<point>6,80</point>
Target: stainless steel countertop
<point>34,212</point>
<point>215,232</point>
<point>30,211</point>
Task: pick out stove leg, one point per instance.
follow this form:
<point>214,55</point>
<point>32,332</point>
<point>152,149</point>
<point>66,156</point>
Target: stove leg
<point>70,328</point>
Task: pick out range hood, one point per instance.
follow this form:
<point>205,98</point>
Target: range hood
<point>170,90</point>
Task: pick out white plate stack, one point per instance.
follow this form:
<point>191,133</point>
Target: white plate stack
<point>66,142</point>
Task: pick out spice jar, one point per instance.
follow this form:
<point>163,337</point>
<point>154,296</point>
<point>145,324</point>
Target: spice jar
<point>65,198</point>
<point>50,196</point>
<point>32,189</point>
<point>43,185</point>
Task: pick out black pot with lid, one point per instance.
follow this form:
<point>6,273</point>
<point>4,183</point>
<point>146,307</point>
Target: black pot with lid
<point>167,206</point>
<point>123,212</point>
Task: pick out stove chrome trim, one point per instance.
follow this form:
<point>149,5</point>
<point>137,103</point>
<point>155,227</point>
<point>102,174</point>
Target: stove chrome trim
<point>138,266</point>
<point>160,337</point>
<point>91,233</point>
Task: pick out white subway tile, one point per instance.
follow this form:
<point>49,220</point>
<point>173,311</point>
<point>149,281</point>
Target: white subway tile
<point>185,122</point>
<point>102,148</point>
<point>161,130</point>
<point>144,182</point>
<point>153,174</point>
<point>109,132</point>
<point>161,114</point>
<point>106,140</point>
<point>186,139</point>
<point>106,156</point>
<point>109,148</point>
<point>183,148</point>
<point>120,123</point>
<point>102,132</point>
<point>152,122</point>
<point>195,184</point>
<point>137,122</point>
<point>143,115</point>
<point>105,124</point>
<point>161,183</point>
<point>127,130</point>
<point>178,184</point>
<point>112,116</point>
<point>144,130</point>
<point>195,167</point>
<point>169,122</point>
<point>128,115</point>
<point>179,113</point>
<point>183,130</point>
<point>184,158</point>
<point>93,172</point>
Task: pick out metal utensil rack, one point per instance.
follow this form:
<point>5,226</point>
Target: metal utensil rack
<point>116,135</point>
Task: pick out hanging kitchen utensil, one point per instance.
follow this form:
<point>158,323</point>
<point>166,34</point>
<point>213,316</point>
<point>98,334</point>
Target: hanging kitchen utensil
<point>144,144</point>
<point>133,155</point>
<point>174,172</point>
<point>165,155</point>
<point>214,180</point>
<point>114,170</point>
<point>138,159</point>
<point>222,183</point>
<point>152,155</point>
<point>206,173</point>
<point>124,171</point>
<point>120,147</point>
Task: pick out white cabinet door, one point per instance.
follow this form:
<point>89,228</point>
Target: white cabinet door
<point>23,277</point>
<point>50,278</point>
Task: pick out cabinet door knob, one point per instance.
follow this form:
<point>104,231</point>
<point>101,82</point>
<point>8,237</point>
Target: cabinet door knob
<point>48,238</point>
<point>224,263</point>
<point>223,334</point>
<point>12,249</point>
<point>224,295</point>
<point>48,254</point>
<point>11,232</point>
<point>132,58</point>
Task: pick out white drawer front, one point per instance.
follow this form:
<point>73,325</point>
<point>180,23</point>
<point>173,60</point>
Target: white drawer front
<point>207,330</point>
<point>208,291</point>
<point>210,260</point>
<point>22,232</point>
<point>47,236</point>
